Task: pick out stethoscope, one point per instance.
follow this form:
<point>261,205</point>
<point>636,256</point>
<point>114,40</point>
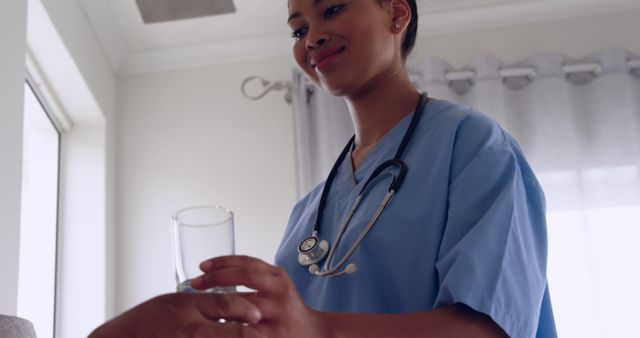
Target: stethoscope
<point>312,250</point>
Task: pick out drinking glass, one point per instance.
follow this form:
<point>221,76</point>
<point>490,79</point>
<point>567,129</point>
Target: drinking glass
<point>201,233</point>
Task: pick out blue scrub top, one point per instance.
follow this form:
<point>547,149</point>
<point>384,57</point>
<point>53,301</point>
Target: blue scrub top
<point>467,226</point>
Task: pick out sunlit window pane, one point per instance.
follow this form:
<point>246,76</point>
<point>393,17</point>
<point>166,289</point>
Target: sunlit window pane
<point>36,290</point>
<point>593,225</point>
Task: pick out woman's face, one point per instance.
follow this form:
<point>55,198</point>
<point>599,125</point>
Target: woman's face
<point>343,45</point>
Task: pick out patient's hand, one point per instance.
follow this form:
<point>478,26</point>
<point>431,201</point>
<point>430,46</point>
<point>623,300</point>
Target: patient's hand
<point>185,315</point>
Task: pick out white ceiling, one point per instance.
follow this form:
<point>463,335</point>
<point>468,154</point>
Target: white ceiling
<point>258,28</point>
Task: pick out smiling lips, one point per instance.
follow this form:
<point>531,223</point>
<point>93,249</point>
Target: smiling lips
<point>321,61</point>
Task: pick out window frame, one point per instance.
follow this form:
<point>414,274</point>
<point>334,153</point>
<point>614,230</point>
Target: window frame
<point>37,89</point>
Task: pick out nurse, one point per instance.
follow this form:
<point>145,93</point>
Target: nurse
<point>459,249</point>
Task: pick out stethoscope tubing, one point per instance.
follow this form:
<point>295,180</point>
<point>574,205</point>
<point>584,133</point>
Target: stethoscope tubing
<point>330,271</point>
<point>396,183</point>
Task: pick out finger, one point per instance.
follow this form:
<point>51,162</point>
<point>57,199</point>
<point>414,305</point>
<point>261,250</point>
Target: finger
<point>229,307</point>
<point>270,308</point>
<point>259,280</point>
<point>231,330</point>
<point>236,261</point>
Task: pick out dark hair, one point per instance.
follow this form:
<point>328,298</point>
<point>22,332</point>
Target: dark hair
<point>412,30</point>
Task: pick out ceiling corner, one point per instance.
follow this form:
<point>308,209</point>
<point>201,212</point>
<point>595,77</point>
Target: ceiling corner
<point>100,16</point>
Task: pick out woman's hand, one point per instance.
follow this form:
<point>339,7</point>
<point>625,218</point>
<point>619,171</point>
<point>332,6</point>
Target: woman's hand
<point>185,315</point>
<point>284,314</point>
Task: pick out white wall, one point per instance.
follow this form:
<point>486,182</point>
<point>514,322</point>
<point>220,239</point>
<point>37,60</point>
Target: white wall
<point>79,76</point>
<point>189,138</point>
<point>13,25</point>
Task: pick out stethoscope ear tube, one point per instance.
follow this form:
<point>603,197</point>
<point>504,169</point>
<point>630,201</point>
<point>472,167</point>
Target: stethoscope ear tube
<point>328,182</point>
<point>395,186</point>
<point>397,180</point>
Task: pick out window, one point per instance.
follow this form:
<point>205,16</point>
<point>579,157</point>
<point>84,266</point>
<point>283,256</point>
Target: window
<point>593,230</point>
<point>39,216</point>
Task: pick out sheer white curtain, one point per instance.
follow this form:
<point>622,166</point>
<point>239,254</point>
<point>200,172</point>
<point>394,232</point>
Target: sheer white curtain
<point>580,132</point>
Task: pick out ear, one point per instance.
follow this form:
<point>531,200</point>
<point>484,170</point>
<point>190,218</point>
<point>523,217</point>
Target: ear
<point>401,15</point>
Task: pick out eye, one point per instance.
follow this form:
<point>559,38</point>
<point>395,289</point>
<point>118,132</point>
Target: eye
<point>299,33</point>
<point>331,11</point>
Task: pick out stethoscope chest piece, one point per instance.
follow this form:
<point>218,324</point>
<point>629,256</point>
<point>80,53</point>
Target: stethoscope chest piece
<point>312,250</point>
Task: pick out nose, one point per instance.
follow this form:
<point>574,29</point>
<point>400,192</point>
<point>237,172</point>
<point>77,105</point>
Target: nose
<point>315,41</point>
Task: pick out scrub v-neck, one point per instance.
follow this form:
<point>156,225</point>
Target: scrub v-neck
<point>385,149</point>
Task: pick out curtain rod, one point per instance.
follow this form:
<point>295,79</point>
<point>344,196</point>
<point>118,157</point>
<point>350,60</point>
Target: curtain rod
<point>530,72</point>
<point>267,86</point>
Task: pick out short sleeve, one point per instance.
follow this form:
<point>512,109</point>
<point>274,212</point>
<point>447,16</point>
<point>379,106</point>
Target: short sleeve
<point>492,256</point>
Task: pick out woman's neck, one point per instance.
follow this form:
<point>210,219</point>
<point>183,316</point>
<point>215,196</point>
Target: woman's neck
<point>376,110</point>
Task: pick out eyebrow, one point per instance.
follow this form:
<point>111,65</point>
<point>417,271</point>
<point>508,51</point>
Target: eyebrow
<point>298,14</point>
